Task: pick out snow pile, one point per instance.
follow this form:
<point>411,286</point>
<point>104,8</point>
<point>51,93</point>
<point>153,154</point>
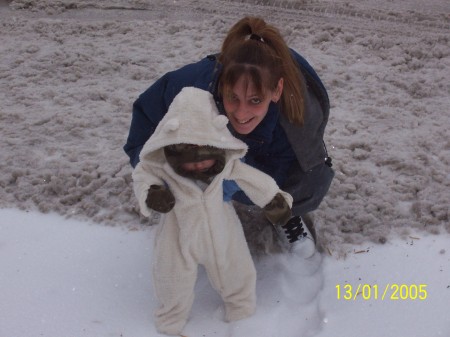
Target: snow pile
<point>70,71</point>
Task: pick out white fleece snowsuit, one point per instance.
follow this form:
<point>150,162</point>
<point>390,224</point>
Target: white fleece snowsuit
<point>201,228</point>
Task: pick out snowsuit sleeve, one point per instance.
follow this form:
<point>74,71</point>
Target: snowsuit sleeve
<point>142,180</point>
<point>258,186</point>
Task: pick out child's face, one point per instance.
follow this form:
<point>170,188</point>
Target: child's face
<point>195,161</point>
<point>200,166</point>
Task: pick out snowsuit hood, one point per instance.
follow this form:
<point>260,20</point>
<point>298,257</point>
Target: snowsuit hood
<point>192,118</point>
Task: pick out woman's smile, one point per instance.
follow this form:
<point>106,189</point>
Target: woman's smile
<point>245,108</point>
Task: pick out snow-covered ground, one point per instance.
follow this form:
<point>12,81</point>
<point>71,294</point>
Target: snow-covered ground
<point>69,72</point>
<point>64,278</point>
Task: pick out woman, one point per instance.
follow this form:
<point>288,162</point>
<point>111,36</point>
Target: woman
<point>275,102</point>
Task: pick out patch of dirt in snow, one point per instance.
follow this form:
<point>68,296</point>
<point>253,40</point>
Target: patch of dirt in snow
<point>70,71</point>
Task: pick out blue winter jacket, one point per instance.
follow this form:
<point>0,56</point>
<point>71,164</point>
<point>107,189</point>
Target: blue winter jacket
<point>274,146</point>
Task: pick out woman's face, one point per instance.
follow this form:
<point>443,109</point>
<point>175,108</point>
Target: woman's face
<point>245,108</point>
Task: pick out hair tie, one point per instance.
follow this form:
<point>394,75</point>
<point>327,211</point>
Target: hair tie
<point>256,37</point>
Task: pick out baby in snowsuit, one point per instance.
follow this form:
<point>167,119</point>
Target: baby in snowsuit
<point>181,171</point>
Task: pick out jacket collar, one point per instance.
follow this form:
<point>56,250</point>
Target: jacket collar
<point>263,133</point>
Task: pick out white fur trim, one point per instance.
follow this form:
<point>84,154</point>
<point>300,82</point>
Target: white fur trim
<point>220,122</point>
<point>171,125</point>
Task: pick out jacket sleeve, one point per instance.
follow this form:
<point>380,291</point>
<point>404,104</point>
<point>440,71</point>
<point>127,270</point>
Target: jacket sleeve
<point>152,105</point>
<point>313,80</point>
<point>142,180</point>
<point>307,140</point>
<point>148,110</point>
<point>258,186</point>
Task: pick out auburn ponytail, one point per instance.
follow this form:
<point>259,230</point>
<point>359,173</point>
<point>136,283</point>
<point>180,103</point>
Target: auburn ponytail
<point>253,44</point>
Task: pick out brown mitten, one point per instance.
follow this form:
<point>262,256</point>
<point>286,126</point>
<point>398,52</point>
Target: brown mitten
<point>160,199</point>
<point>278,211</point>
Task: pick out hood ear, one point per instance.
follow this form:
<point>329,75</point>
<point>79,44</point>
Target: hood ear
<point>220,122</point>
<point>171,125</point>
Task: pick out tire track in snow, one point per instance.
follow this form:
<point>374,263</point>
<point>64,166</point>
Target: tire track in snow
<point>382,18</point>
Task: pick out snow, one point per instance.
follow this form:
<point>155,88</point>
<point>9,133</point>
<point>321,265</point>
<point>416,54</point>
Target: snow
<point>75,254</point>
<point>63,277</point>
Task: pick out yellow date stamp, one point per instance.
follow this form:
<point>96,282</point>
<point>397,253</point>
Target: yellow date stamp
<point>391,291</point>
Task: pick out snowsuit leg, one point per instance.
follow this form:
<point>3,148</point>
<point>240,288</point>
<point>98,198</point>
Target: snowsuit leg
<point>232,272</point>
<point>174,279</point>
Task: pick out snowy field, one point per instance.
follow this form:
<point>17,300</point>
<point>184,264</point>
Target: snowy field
<point>66,278</point>
<point>69,72</point>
